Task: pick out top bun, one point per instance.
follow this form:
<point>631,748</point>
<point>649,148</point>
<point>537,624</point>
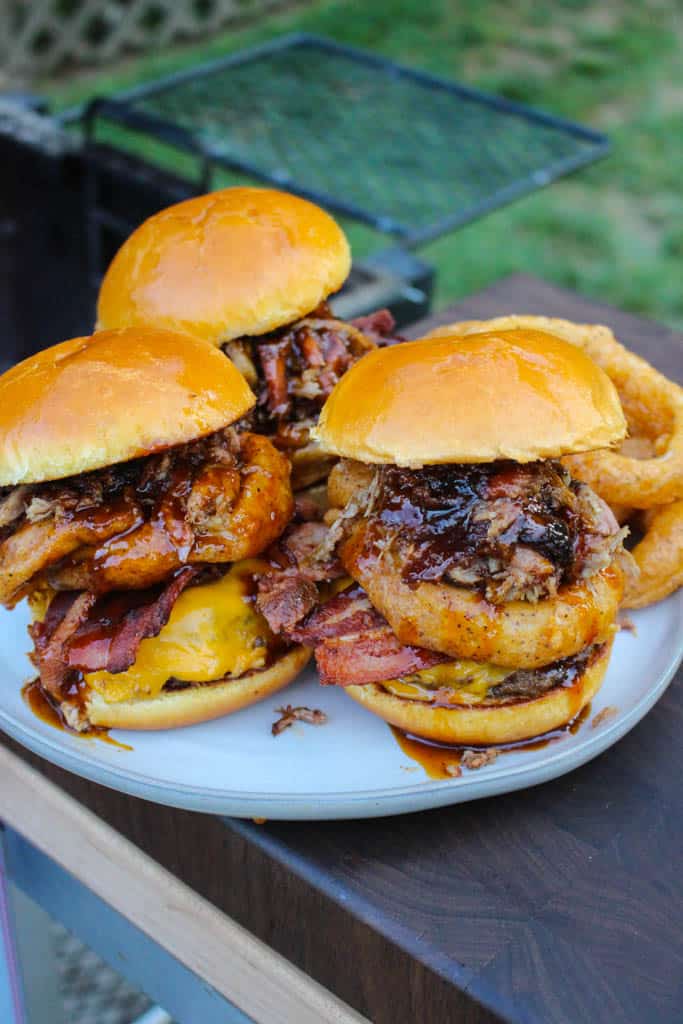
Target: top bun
<point>519,394</point>
<point>92,402</point>
<point>243,261</point>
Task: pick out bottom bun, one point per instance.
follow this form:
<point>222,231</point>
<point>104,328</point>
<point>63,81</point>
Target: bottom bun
<point>199,703</point>
<point>487,724</point>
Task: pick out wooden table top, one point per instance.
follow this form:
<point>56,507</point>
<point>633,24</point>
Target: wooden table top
<point>560,903</point>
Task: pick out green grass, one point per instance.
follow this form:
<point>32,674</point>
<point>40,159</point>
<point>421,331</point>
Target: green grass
<point>613,231</point>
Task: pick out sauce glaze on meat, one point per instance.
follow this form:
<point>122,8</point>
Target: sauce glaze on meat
<point>131,525</point>
<point>511,531</point>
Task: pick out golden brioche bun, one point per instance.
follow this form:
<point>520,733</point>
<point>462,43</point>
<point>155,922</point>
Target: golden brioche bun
<point>484,724</point>
<point>242,261</point>
<point>91,402</point>
<point>514,394</point>
<point>199,703</point>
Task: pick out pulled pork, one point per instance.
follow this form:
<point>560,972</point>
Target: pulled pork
<point>293,370</point>
<point>511,531</point>
<point>288,592</point>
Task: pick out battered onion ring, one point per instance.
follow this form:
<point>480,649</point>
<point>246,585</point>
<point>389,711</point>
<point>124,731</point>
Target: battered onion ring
<point>659,556</point>
<point>652,403</point>
<point>252,520</point>
<point>622,513</point>
<point>263,507</point>
<point>462,623</point>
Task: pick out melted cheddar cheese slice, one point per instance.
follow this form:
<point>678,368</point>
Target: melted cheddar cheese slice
<point>467,681</point>
<point>213,631</point>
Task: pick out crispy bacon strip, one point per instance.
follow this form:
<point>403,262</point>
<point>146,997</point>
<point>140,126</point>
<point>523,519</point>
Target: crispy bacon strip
<point>338,358</point>
<point>372,657</point>
<point>81,633</point>
<point>310,348</point>
<point>347,614</point>
<point>51,637</point>
<point>273,356</point>
<point>109,639</point>
<point>355,645</point>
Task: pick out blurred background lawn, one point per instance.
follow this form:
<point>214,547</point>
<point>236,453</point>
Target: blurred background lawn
<point>614,231</point>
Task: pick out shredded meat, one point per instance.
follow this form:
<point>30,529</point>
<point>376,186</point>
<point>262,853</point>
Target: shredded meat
<point>289,715</point>
<point>311,505</point>
<point>12,505</point>
<point>305,546</point>
<point>511,531</point>
<point>604,716</point>
<point>379,327</point>
<point>479,758</point>
<point>285,599</point>
<point>288,592</point>
<point>293,370</point>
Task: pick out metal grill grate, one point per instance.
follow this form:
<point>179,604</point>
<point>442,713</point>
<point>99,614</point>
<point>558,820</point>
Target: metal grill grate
<point>410,154</point>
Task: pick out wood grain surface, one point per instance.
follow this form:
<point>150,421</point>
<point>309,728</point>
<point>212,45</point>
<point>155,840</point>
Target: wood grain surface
<point>557,904</point>
<point>260,982</point>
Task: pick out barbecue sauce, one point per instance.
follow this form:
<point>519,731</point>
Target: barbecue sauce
<point>43,708</point>
<point>437,513</point>
<point>441,761</point>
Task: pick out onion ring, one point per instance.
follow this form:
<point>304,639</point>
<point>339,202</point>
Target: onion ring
<point>460,622</point>
<point>622,513</point>
<point>659,556</point>
<point>263,507</point>
<point>652,403</point>
<point>258,506</point>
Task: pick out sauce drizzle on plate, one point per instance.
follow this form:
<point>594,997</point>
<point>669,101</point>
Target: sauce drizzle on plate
<point>441,761</point>
<point>35,697</point>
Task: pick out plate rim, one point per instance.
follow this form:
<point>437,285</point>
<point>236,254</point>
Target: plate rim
<point>427,793</point>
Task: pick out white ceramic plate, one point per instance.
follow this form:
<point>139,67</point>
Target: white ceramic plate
<point>351,767</point>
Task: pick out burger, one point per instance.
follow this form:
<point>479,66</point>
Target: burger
<point>485,581</point>
<point>250,270</point>
<point>132,513</point>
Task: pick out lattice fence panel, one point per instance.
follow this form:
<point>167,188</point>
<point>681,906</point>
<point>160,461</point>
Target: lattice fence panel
<point>38,37</point>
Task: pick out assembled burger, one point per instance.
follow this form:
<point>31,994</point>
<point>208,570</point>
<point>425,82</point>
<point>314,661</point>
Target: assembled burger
<point>131,512</point>
<point>486,581</point>
<point>250,270</point>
